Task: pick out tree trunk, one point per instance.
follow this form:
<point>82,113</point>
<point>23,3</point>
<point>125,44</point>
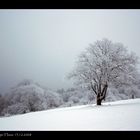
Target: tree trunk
<point>101,94</point>
<point>132,96</point>
<point>98,100</point>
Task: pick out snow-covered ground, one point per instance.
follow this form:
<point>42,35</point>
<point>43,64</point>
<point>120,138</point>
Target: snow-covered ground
<point>119,115</point>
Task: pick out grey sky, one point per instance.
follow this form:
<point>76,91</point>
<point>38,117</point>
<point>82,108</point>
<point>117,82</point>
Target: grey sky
<point>43,44</point>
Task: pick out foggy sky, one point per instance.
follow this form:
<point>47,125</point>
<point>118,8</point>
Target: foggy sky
<point>43,45</point>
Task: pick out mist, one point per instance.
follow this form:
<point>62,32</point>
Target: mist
<point>43,45</point>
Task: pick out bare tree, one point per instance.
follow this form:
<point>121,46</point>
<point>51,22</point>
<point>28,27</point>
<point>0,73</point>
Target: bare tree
<point>102,64</point>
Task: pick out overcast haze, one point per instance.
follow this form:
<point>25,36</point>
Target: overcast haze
<point>43,45</point>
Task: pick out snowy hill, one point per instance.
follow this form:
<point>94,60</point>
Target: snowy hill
<point>29,96</point>
<point>119,115</point>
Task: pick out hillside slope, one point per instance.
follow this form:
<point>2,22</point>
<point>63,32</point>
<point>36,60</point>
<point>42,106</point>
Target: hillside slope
<point>119,115</point>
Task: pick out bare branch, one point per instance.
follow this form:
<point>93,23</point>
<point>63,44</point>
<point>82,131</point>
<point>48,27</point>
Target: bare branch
<point>93,88</point>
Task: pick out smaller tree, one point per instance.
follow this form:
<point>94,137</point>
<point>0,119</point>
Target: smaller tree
<point>103,64</point>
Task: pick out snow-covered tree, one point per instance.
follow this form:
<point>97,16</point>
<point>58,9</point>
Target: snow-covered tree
<point>28,96</point>
<point>53,99</point>
<point>104,64</point>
